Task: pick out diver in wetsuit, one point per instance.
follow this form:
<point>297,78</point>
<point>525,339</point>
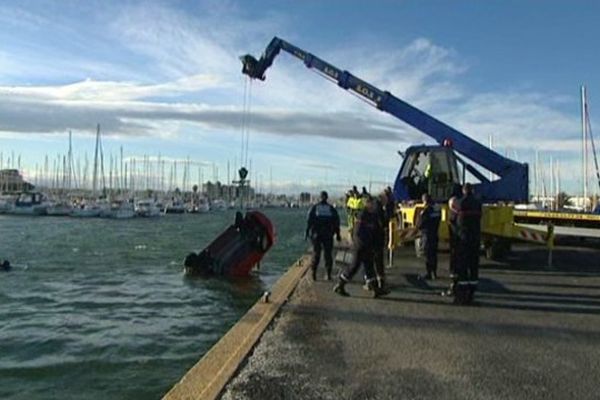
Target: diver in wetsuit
<point>364,242</point>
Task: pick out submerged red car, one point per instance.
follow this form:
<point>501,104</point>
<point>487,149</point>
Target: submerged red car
<point>235,251</point>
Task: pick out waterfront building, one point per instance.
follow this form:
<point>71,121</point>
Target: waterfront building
<point>11,181</point>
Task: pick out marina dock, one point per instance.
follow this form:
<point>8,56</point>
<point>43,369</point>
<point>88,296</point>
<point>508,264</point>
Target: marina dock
<point>534,333</point>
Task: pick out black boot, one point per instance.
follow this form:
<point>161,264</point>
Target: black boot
<point>339,289</point>
<point>380,291</point>
<point>425,277</point>
<point>450,291</point>
<point>328,276</point>
<point>471,294</point>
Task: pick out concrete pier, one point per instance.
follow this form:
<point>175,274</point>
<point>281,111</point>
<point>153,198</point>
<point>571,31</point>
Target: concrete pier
<point>533,334</point>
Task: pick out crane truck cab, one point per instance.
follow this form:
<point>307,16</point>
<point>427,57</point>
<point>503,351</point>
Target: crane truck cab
<point>427,169</point>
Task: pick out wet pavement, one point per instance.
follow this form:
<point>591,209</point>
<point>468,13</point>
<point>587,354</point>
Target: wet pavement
<point>534,333</point>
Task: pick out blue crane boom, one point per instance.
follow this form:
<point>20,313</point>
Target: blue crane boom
<point>512,184</point>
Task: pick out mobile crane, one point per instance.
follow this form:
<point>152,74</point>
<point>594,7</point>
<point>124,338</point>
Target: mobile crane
<point>425,168</point>
<point>430,168</point>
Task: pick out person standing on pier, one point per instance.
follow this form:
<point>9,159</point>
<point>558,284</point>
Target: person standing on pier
<point>468,222</point>
<point>323,223</point>
<point>364,237</point>
<point>429,224</point>
<point>453,242</point>
<point>354,205</point>
<point>380,239</point>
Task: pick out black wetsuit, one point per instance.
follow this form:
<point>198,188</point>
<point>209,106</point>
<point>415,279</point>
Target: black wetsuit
<point>323,223</point>
<point>364,241</point>
<point>453,239</point>
<point>429,224</point>
<point>468,223</point>
<point>379,242</point>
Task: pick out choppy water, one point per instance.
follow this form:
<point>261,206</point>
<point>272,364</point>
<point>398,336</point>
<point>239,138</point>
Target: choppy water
<point>99,309</point>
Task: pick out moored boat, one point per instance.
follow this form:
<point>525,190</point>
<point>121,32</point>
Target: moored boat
<point>199,206</point>
<point>175,206</point>
<point>147,208</point>
<point>29,203</point>
<point>59,208</point>
<point>86,210</point>
<point>122,210</point>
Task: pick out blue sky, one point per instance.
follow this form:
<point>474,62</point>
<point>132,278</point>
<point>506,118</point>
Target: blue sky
<point>163,77</point>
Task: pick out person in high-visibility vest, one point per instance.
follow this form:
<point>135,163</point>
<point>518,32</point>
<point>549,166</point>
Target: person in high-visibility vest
<point>354,206</point>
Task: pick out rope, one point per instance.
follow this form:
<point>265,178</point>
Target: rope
<point>243,127</point>
<point>249,119</point>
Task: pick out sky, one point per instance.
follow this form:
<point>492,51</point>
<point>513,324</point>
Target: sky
<point>164,78</point>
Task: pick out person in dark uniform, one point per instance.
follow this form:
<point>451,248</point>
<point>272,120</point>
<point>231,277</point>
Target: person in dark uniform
<point>468,223</point>
<point>364,237</point>
<point>453,242</point>
<point>390,204</point>
<point>322,224</point>
<point>380,240</point>
<point>429,223</point>
<point>453,234</point>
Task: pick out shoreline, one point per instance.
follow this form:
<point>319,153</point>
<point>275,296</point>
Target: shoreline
<point>209,376</point>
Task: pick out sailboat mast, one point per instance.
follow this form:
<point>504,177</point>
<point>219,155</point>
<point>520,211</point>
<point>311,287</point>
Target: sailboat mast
<point>70,162</point>
<point>95,172</point>
<point>584,147</point>
<point>552,192</point>
<point>121,173</point>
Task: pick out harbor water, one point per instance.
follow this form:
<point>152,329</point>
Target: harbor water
<point>99,309</point>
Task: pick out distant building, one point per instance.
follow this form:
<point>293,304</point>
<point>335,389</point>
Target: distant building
<point>11,181</point>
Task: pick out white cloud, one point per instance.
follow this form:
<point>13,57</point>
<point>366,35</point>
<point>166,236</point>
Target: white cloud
<point>90,90</point>
<point>189,62</point>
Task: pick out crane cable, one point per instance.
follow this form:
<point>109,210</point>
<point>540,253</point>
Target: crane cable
<point>246,119</point>
<point>249,119</point>
<point>243,126</point>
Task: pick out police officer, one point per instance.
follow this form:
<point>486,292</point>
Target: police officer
<point>364,237</point>
<point>429,223</point>
<point>468,222</point>
<point>322,224</point>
